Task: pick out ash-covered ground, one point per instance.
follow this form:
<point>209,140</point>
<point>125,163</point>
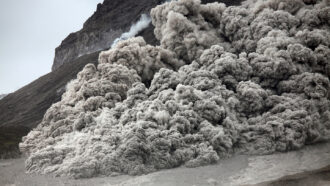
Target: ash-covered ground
<point>251,79</point>
<point>309,166</point>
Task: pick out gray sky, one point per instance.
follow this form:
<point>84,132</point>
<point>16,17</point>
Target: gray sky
<point>30,30</point>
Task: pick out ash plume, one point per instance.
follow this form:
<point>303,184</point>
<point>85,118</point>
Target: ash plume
<point>250,79</point>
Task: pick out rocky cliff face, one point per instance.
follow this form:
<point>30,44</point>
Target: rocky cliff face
<point>111,19</point>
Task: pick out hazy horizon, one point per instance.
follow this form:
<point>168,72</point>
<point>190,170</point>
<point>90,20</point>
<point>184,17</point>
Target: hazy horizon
<point>30,32</point>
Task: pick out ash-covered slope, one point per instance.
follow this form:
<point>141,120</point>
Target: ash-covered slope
<point>111,19</point>
<point>250,79</point>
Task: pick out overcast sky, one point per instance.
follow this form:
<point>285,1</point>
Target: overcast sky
<point>30,30</point>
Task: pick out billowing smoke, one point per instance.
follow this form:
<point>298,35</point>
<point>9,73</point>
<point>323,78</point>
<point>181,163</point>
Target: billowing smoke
<point>141,24</point>
<point>250,79</point>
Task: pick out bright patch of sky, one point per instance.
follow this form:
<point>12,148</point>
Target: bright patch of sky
<point>30,30</point>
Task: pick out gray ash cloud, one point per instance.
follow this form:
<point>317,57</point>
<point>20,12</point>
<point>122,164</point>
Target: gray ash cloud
<point>249,79</point>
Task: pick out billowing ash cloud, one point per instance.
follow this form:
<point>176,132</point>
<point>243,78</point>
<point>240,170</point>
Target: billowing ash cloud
<point>141,24</point>
<point>251,79</point>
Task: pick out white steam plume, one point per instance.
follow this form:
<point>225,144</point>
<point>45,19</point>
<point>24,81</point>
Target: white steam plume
<point>143,23</point>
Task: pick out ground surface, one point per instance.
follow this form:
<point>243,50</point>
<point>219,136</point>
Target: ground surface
<point>307,167</point>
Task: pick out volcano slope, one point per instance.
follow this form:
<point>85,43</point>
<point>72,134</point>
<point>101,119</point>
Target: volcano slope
<point>251,79</point>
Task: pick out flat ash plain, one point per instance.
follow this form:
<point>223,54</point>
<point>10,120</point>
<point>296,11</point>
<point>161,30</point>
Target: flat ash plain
<point>306,167</point>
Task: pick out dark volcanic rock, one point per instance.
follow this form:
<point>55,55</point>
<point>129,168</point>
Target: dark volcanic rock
<point>111,19</point>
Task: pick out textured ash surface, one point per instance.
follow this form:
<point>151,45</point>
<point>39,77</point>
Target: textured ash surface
<point>250,79</point>
<point>295,169</point>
